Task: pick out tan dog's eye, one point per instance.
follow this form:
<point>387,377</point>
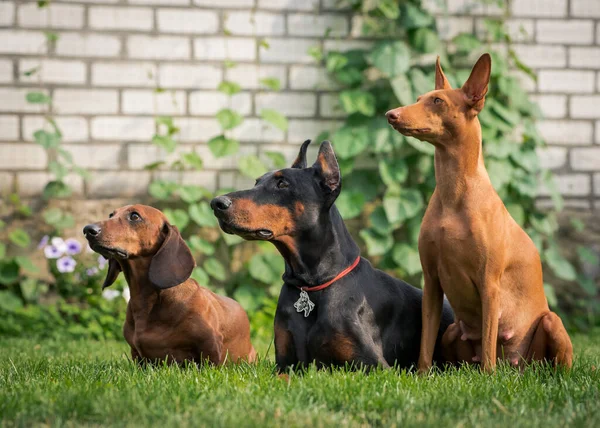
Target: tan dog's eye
<point>438,101</point>
<point>282,184</point>
<point>134,217</point>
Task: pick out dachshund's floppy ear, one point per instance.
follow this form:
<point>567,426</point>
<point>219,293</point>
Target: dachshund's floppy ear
<point>173,263</point>
<point>114,269</point>
<point>300,161</point>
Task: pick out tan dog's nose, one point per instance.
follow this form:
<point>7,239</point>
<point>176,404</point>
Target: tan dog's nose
<point>392,116</point>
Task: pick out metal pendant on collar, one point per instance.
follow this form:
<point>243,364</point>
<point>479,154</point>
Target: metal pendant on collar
<point>304,304</point>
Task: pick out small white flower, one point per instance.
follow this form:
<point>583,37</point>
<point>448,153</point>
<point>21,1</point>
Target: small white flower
<point>73,246</point>
<point>109,294</point>
<point>102,262</point>
<point>66,264</point>
<point>59,244</point>
<point>51,252</point>
<point>126,294</point>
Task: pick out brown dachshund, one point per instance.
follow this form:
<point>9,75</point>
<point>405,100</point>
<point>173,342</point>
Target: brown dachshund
<point>169,317</point>
<point>471,248</point>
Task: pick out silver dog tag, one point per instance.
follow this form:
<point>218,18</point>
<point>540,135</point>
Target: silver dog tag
<point>303,304</point>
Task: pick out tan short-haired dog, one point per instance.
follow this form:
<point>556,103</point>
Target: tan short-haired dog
<point>471,248</point>
<point>169,315</point>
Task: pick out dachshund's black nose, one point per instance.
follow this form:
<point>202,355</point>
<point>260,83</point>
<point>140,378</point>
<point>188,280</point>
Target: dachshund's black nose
<point>220,203</point>
<point>91,230</point>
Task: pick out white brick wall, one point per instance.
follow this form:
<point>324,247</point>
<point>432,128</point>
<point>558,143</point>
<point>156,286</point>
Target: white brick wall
<point>53,71</point>
<point>73,128</point>
<point>121,18</point>
<point>86,101</point>
<point>30,15</point>
<point>6,71</point>
<point>124,74</point>
<point>88,45</point>
<point>10,128</point>
<point>221,48</point>
<point>187,21</point>
<point>22,156</point>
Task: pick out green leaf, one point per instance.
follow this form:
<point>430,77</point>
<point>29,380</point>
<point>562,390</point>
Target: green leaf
<point>215,269</point>
<point>229,88</point>
<point>277,158</point>
<point>251,166</point>
<point>391,58</point>
<point>393,172</point>
<point>559,265</point>
<point>407,258</point>
<point>191,194</point>
<point>26,264</point>
<point>414,17</point>
<point>51,36</point>
<point>587,255</point>
<point>389,8</point>
<point>550,295</point>
<point>517,213</point>
<point>402,89</point>
<point>350,204</point>
<point>178,217</point>
<point>266,267</point>
<point>263,43</point>
<point>249,297</point>
<point>202,214</point>
<point>466,43</point>
<point>357,101</point>
<point>231,239</point>
<point>336,61</point>
<point>19,237</point>
<point>577,224</point>
<point>316,52</point>
<point>425,40</point>
<point>229,119</point>
<point>2,250</point>
<point>37,98</point>
<point>201,245</point>
<point>164,141</point>
<point>167,122</point>
<point>161,190</point>
<point>275,118</point>
<point>56,189</point>
<point>47,140</point>
<point>221,146</point>
<point>9,272</point>
<point>545,224</point>
<point>193,160</point>
<point>271,83</point>
<point>351,140</point>
<point>379,221</point>
<point>200,276</point>
<point>8,300</point>
<point>499,172</point>
<point>376,243</point>
<point>59,170</point>
<point>349,76</point>
<point>403,206</point>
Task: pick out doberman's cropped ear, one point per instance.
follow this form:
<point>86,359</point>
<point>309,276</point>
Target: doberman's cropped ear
<point>173,263</point>
<point>114,269</point>
<point>476,85</point>
<point>328,169</point>
<point>300,161</point>
<point>440,78</point>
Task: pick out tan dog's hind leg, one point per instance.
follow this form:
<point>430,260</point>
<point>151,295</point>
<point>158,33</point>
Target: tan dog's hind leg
<point>551,342</point>
<point>455,350</point>
<point>433,299</point>
<point>490,310</point>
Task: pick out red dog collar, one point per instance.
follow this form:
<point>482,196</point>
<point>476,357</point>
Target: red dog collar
<point>338,277</point>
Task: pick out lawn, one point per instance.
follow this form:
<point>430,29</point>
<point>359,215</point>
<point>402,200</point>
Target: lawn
<point>94,383</point>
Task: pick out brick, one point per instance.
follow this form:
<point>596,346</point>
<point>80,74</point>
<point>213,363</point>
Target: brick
<point>520,30</point>
<point>552,106</point>
<point>10,128</point>
<point>187,21</point>
<point>160,2</point>
<point>552,157</point>
<point>598,132</point>
<point>585,159</point>
<point>122,128</point>
<point>337,5</point>
<point>568,81</point>
<point>449,27</point>
<point>289,152</point>
<point>207,179</point>
<point>141,101</point>
<point>570,185</point>
<point>73,128</point>
<point>227,162</point>
<point>584,57</point>
<point>317,25</point>
<point>22,156</point>
<point>287,51</point>
<point>545,204</point>
<point>31,184</point>
<point>225,3</point>
<point>189,76</point>
<point>258,131</point>
<point>56,16</point>
<point>86,101</point>
<point>7,13</point>
<point>525,80</point>
<point>221,48</point>
<point>539,8</point>
<point>255,24</point>
<point>303,129</point>
<point>537,56</point>
<point>161,47</point>
<point>585,107</point>
<point>568,132</point>
<point>88,45</point>
<point>597,188</point>
<point>345,44</point>
<point>289,104</point>
<point>22,42</point>
<point>140,155</point>
<point>574,31</point>
<point>233,180</point>
<point>120,18</point>
<point>195,130</point>
<point>119,183</point>
<point>13,100</point>
<point>248,76</point>
<point>124,74</point>
<point>209,103</point>
<point>307,5</point>
<point>585,8</point>
<point>95,156</point>
<point>6,71</point>
<point>53,71</point>
<point>330,106</point>
<point>311,78</point>
<point>7,182</point>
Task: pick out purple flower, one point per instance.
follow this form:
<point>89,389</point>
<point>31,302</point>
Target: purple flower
<point>92,271</point>
<point>102,262</point>
<point>51,252</point>
<point>73,246</point>
<point>109,294</point>
<point>43,242</point>
<point>59,244</point>
<point>66,264</point>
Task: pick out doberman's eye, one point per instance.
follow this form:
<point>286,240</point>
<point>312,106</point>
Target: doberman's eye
<point>282,184</point>
<point>134,216</point>
<point>438,101</point>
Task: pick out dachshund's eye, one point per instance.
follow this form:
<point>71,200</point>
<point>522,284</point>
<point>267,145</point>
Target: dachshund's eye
<point>134,217</point>
<point>282,184</point>
<point>111,215</point>
<point>438,101</point>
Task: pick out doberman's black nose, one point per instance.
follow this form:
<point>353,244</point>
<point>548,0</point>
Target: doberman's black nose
<point>220,203</point>
<point>91,230</point>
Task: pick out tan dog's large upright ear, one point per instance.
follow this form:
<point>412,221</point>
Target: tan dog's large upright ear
<point>114,269</point>
<point>173,263</point>
<point>476,85</point>
<point>300,161</point>
<point>440,78</point>
<point>328,172</point>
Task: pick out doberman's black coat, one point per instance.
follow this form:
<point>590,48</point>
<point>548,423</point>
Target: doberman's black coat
<point>365,318</point>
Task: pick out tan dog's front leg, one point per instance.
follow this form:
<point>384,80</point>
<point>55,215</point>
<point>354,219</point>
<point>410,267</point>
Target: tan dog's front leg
<point>490,303</point>
<point>433,299</point>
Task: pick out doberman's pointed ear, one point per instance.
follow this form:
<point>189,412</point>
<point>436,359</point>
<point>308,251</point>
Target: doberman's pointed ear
<point>300,161</point>
<point>114,269</point>
<point>173,263</point>
<point>476,85</point>
<point>440,78</point>
<point>328,169</point>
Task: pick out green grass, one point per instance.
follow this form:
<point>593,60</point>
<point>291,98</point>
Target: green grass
<point>94,383</point>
